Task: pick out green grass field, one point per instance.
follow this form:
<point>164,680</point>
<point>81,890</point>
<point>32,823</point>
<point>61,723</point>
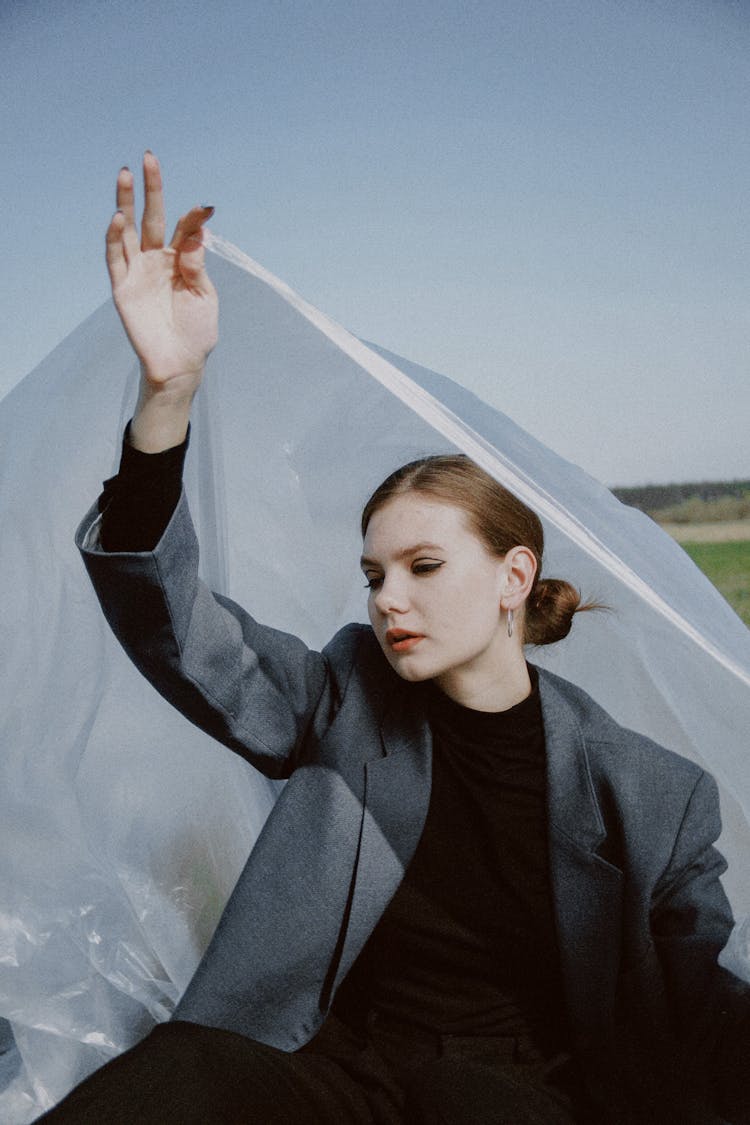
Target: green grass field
<point>728,567</point>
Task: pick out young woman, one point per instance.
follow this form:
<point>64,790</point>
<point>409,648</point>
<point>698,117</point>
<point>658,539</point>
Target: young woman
<point>478,898</point>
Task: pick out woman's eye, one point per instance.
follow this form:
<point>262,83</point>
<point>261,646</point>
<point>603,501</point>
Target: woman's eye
<point>425,567</point>
<point>373,581</point>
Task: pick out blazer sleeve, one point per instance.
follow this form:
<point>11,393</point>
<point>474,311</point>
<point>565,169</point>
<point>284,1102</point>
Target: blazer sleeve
<point>258,690</point>
<point>691,921</point>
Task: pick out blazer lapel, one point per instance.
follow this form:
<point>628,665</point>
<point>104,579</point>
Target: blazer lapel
<point>396,800</point>
<point>587,890</point>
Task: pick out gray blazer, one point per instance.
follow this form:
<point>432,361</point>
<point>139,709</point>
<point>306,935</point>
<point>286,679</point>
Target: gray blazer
<point>659,1028</point>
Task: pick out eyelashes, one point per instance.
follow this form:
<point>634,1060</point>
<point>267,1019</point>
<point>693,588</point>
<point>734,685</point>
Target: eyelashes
<point>420,569</point>
<point>426,568</point>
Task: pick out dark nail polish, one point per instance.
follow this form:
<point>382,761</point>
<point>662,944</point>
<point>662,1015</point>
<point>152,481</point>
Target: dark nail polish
<point>124,168</point>
<point>207,207</point>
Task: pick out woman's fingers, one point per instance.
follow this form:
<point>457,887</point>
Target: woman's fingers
<point>126,204</point>
<point>116,264</point>
<point>125,194</point>
<point>123,243</point>
<point>152,229</point>
<point>187,240</point>
<point>192,257</point>
<point>190,224</point>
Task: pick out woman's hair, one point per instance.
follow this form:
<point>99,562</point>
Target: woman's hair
<point>501,521</point>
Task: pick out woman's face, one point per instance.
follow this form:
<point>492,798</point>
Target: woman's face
<point>435,593</point>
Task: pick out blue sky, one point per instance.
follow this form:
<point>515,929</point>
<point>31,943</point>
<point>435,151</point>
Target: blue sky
<point>545,201</point>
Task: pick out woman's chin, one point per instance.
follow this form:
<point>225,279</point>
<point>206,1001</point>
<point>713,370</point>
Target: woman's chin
<point>410,668</point>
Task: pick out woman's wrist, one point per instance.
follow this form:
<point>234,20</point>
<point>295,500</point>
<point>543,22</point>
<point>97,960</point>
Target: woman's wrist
<point>162,416</point>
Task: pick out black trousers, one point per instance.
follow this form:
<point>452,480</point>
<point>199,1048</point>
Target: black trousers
<point>184,1074</point>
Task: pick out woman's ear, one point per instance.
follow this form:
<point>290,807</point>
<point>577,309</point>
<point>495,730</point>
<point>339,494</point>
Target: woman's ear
<point>520,570</point>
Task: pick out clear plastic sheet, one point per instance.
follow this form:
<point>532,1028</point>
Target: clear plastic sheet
<point>122,827</point>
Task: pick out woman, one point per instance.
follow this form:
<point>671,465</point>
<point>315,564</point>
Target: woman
<point>478,898</point>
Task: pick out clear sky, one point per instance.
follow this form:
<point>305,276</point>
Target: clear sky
<point>544,199</point>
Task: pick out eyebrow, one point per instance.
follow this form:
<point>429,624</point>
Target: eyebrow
<point>405,553</point>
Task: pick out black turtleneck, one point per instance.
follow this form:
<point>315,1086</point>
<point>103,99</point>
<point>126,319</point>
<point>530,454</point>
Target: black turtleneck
<point>139,502</point>
<point>467,946</point>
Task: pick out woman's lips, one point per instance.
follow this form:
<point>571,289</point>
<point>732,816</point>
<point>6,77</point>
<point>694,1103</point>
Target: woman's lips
<point>400,641</point>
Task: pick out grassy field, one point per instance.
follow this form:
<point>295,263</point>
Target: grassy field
<point>711,521</point>
<point>727,564</point>
<point>723,532</point>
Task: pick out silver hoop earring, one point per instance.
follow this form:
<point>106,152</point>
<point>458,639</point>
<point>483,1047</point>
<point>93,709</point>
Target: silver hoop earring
<point>510,622</point>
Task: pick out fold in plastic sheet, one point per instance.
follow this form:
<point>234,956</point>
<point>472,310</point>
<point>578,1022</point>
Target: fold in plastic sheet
<point>122,827</point>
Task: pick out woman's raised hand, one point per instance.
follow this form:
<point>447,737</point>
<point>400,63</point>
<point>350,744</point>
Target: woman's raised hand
<point>167,305</point>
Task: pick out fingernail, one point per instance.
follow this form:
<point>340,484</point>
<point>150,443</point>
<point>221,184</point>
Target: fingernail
<point>207,207</point>
<point>124,168</point>
<point>148,152</point>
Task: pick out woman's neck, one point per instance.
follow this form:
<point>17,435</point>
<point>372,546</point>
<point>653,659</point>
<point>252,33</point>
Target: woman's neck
<point>489,690</point>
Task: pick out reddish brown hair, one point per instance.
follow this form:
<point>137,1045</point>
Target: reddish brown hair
<point>500,520</point>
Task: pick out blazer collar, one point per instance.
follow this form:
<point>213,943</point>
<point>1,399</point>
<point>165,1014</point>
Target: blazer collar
<point>586,889</point>
<point>394,809</point>
<point>573,807</point>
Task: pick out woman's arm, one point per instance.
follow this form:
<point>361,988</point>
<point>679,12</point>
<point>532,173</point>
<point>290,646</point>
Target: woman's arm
<point>261,692</point>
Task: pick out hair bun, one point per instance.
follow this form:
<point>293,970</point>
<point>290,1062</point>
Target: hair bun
<point>550,610</point>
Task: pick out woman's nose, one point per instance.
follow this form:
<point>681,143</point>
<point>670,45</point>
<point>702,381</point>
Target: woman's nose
<point>391,597</point>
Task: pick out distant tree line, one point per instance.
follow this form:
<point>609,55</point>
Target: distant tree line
<point>691,502</point>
